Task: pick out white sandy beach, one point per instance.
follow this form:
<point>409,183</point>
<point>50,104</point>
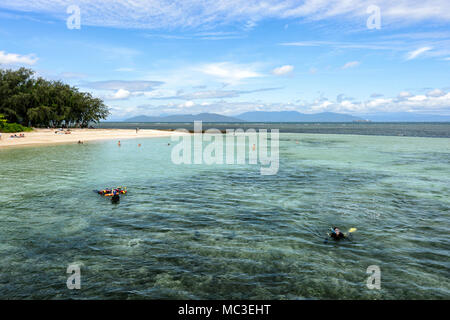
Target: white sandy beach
<point>48,136</point>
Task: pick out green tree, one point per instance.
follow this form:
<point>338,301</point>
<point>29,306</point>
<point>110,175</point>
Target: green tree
<point>34,101</point>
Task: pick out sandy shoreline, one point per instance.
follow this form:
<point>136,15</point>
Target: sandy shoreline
<point>48,136</point>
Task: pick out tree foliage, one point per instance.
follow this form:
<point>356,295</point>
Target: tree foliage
<point>33,101</point>
<point>11,127</point>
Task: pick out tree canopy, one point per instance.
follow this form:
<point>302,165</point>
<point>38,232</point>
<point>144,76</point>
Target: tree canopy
<point>34,101</point>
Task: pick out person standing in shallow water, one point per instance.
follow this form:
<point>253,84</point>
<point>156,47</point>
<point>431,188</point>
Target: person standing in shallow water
<point>118,143</point>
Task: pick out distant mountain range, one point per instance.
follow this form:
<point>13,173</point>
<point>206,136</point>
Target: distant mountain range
<point>293,116</point>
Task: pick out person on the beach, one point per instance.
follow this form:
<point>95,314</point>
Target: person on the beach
<point>337,234</point>
<point>118,143</point>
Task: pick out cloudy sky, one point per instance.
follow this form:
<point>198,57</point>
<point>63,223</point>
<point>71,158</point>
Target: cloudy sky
<point>231,56</point>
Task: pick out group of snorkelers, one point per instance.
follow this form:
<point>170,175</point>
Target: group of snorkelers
<point>114,193</point>
<point>335,234</point>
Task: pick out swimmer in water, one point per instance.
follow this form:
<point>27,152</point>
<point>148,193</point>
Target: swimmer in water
<point>116,197</point>
<point>336,234</point>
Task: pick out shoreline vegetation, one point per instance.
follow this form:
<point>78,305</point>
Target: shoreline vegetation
<point>29,102</point>
<point>32,101</point>
<point>6,127</point>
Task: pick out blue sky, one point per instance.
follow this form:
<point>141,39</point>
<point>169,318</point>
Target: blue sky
<point>228,57</point>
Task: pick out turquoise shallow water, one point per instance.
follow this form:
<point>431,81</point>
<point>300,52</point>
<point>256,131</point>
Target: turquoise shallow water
<point>213,232</point>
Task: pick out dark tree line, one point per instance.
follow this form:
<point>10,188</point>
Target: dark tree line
<point>34,101</point>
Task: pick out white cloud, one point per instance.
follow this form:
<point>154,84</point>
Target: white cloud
<point>123,89</point>
<point>404,102</point>
<point>17,59</point>
<point>410,46</point>
<point>435,93</point>
<point>342,97</point>
<point>420,97</point>
<point>121,94</point>
<point>350,64</point>
<point>413,103</point>
<point>283,70</point>
<point>210,94</point>
<point>134,85</point>
<point>187,104</point>
<point>415,53</point>
<point>378,45</point>
<point>229,72</point>
<point>195,13</point>
<point>404,94</point>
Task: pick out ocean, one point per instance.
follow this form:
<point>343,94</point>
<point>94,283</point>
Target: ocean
<point>404,129</point>
<point>226,231</point>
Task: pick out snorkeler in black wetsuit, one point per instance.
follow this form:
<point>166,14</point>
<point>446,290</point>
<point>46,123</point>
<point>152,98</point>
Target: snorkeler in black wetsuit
<point>116,197</point>
<point>337,234</point>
